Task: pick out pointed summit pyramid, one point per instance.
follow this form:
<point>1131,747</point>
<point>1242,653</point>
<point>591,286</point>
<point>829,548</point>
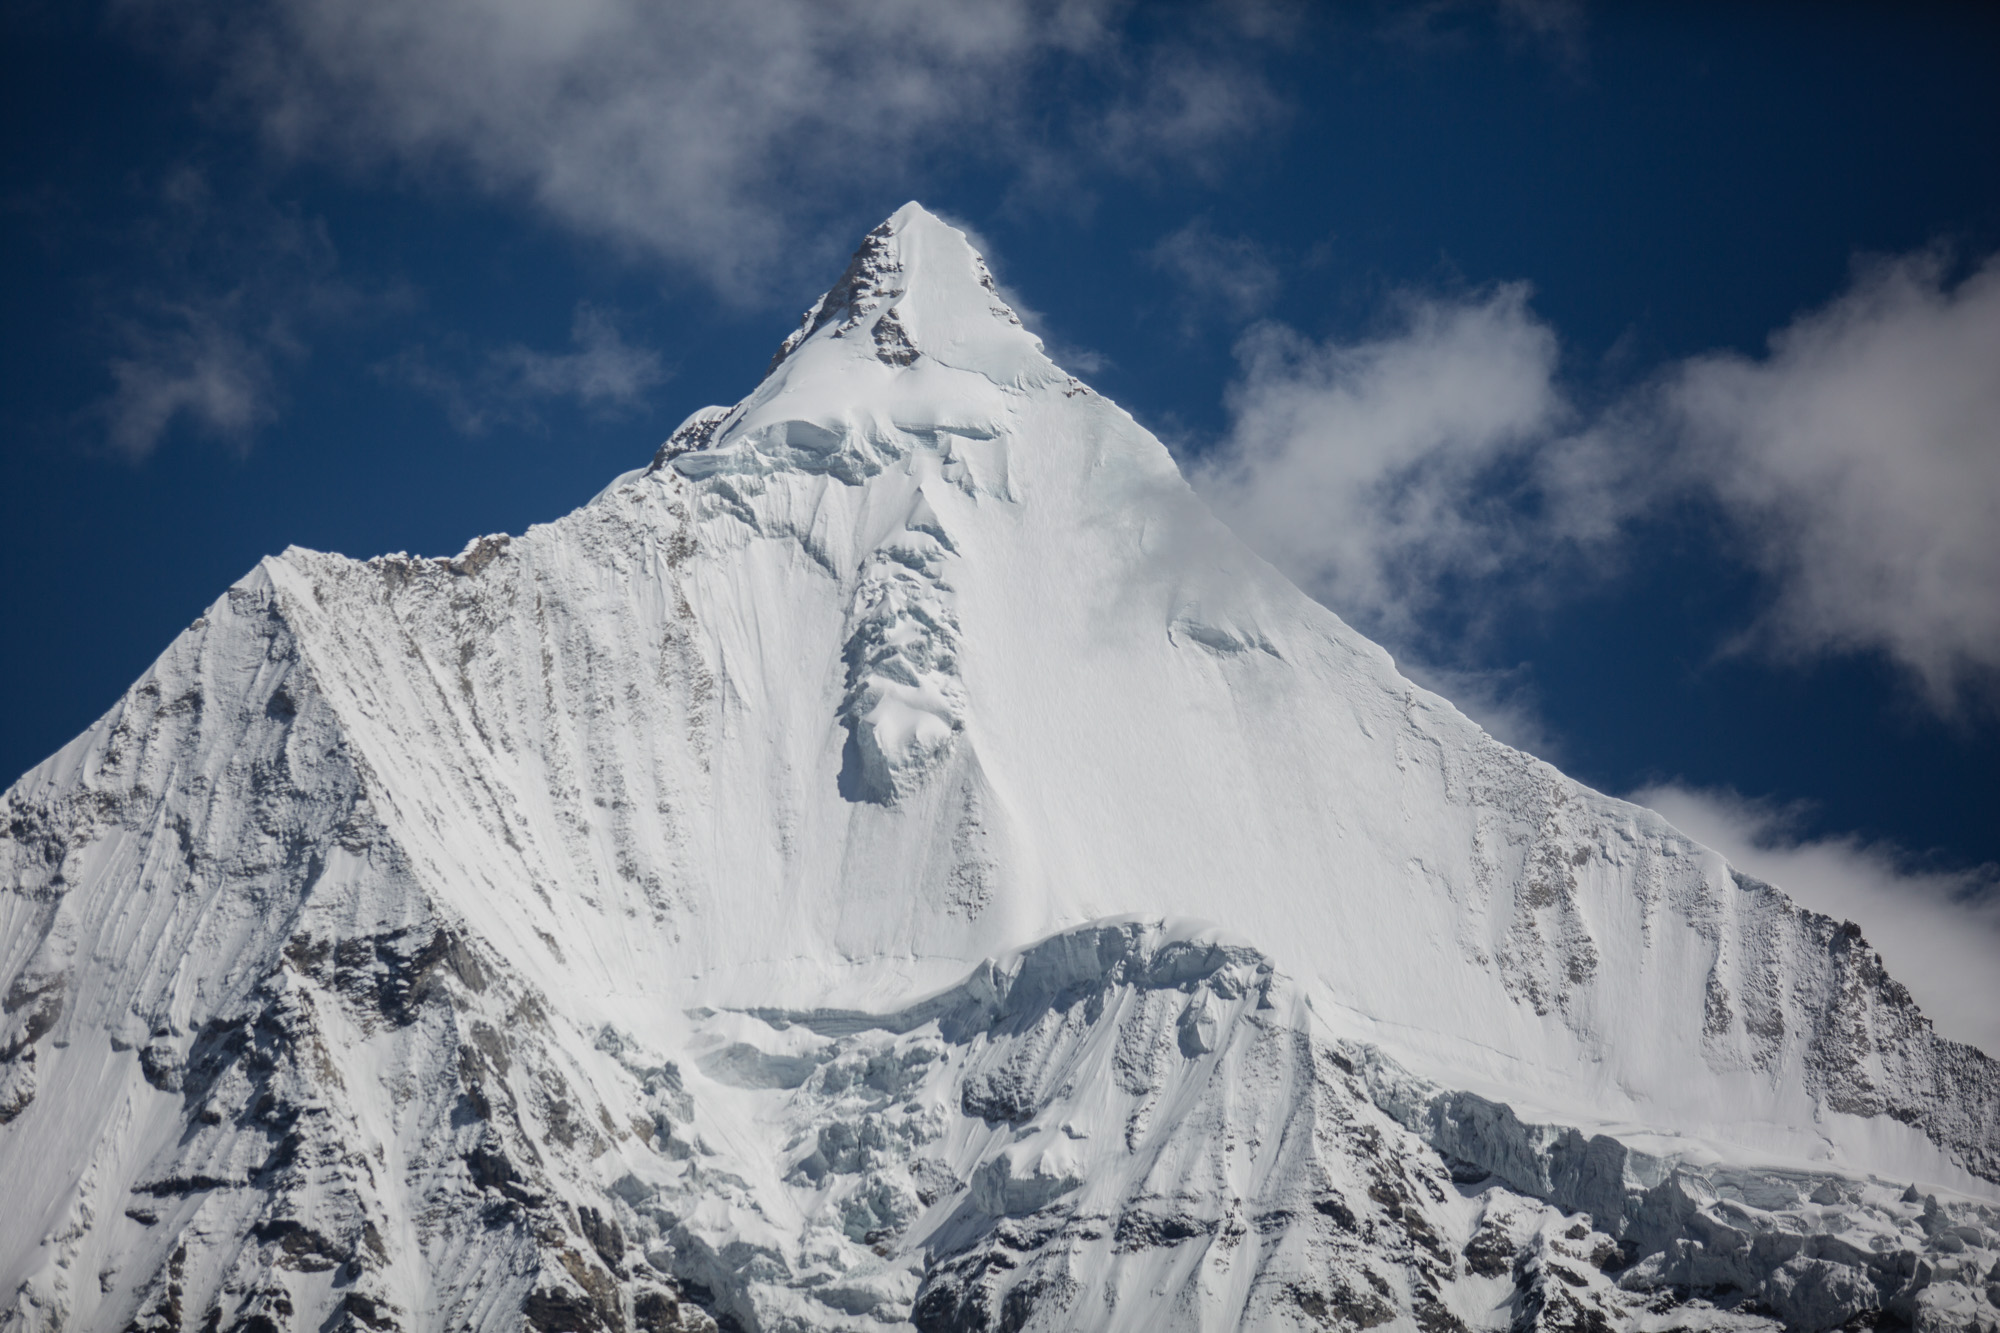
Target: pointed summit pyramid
<point>897,860</point>
<point>916,288</point>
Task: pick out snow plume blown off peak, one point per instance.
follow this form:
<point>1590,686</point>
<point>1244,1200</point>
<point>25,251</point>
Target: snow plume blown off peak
<point>771,897</point>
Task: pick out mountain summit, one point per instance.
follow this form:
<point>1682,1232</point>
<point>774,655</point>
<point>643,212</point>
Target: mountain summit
<point>897,860</point>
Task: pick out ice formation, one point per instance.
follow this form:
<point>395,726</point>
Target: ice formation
<point>896,860</point>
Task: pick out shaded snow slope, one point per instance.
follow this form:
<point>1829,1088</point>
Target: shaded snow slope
<point>425,942</point>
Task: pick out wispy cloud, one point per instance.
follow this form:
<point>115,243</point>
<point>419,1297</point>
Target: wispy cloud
<point>1555,27</point>
<point>202,344</point>
<point>1441,467</point>
<point>1938,931</point>
<point>1210,271</point>
<point>1558,23</point>
<point>1187,100</point>
<point>198,361</point>
<point>602,372</point>
<point>713,136</point>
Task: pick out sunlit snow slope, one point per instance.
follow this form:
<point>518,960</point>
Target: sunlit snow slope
<point>898,859</point>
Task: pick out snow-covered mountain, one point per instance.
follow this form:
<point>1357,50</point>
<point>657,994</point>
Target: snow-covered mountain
<point>898,860</point>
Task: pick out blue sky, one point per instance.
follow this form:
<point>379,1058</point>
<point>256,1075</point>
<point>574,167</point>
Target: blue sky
<point>1632,371</point>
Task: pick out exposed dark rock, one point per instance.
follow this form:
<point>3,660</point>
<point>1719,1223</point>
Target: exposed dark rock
<point>162,1066</point>
<point>602,1231</point>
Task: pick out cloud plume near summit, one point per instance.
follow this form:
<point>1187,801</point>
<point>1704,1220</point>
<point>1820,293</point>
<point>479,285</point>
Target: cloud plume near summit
<point>1856,465</point>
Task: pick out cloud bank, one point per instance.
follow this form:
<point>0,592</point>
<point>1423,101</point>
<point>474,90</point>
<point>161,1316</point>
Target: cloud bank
<point>1937,931</point>
<point>712,135</point>
<point>1856,465</point>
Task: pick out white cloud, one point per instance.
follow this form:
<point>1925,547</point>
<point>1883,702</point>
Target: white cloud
<point>1368,470</point>
<point>709,134</point>
<point>1861,461</point>
<point>1938,931</point>
<point>605,374</point>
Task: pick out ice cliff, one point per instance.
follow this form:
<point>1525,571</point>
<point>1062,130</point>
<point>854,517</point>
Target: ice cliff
<point>896,860</point>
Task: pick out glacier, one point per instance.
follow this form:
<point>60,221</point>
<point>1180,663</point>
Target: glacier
<point>897,860</point>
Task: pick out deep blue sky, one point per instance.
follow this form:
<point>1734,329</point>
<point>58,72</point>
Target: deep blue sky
<point>1671,180</point>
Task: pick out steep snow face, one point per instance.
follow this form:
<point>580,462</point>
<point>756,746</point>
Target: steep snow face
<point>426,942</point>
